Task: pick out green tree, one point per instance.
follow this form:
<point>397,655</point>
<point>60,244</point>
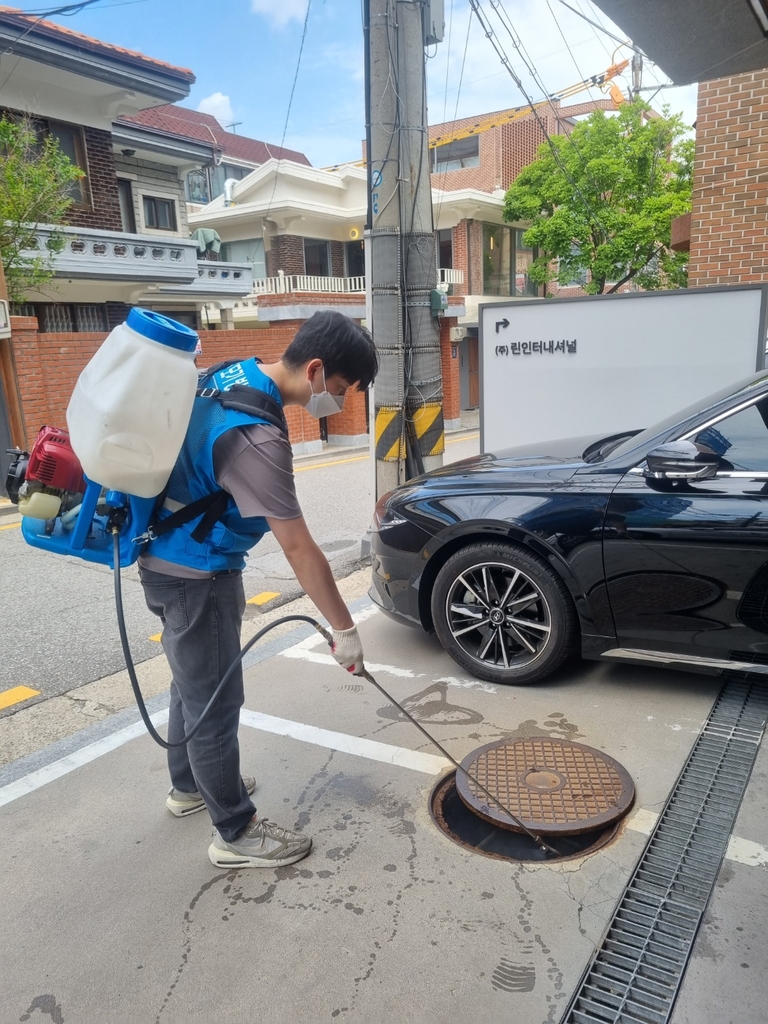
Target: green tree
<point>605,202</point>
<point>36,181</point>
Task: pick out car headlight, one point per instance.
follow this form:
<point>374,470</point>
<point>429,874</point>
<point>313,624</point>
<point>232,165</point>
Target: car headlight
<point>385,517</point>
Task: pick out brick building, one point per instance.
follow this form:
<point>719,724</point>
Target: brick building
<point>727,229</point>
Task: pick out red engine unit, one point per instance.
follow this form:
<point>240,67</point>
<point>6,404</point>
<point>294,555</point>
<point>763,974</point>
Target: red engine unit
<point>53,463</point>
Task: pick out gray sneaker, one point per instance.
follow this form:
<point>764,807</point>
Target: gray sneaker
<point>262,845</point>
<point>182,804</point>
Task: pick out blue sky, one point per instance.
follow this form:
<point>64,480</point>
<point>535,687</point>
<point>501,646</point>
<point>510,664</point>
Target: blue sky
<point>244,54</point>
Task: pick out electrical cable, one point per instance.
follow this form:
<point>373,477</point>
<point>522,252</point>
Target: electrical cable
<point>602,28</point>
<point>290,104</point>
<point>365,674</point>
<point>496,44</point>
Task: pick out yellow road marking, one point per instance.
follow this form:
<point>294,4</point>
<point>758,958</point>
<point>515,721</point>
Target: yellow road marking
<point>362,458</point>
<point>455,440</point>
<point>157,637</point>
<point>336,462</point>
<point>16,695</point>
<point>11,526</point>
<point>262,598</point>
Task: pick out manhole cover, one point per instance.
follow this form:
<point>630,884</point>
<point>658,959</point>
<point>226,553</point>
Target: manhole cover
<point>554,787</point>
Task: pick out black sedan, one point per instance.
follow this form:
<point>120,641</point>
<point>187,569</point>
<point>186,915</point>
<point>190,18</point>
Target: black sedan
<point>649,546</point>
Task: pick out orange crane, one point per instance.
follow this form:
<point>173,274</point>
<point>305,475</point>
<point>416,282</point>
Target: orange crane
<point>483,124</point>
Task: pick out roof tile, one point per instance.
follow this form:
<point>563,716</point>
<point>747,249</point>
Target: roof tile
<point>14,16</point>
<point>193,124</point>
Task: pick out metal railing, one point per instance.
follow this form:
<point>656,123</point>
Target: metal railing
<point>284,284</point>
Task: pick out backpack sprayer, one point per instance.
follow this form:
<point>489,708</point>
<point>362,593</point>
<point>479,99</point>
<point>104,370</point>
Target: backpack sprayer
<point>93,492</point>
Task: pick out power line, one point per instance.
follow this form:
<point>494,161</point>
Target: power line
<point>494,40</point>
<point>290,104</point>
<point>594,24</point>
<point>567,46</point>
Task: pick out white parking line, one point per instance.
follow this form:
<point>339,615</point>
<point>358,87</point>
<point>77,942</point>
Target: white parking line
<point>403,757</point>
<point>65,765</point>
<point>741,851</point>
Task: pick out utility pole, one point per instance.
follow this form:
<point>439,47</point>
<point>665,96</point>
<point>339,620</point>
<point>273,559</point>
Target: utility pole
<point>637,75</point>
<point>408,395</point>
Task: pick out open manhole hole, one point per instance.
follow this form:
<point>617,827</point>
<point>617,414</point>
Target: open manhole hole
<point>570,795</point>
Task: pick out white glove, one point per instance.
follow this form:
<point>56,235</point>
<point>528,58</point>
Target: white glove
<point>348,650</point>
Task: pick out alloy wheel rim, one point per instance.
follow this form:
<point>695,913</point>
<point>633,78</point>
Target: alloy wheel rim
<point>498,615</point>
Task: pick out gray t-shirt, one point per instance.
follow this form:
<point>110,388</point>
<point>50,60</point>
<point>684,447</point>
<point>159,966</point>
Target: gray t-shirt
<point>255,465</point>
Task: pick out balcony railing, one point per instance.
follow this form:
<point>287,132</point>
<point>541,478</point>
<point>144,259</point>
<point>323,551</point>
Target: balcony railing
<point>285,284</point>
<point>217,279</point>
<point>117,256</point>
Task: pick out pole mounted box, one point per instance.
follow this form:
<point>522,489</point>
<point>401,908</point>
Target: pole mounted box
<point>433,14</point>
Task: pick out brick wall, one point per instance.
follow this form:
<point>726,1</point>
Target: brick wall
<point>337,259</point>
<point>505,150</point>
<point>153,179</point>
<point>729,219</point>
<point>287,254</point>
<point>468,255</point>
<point>102,182</point>
<point>450,366</point>
<point>48,365</point>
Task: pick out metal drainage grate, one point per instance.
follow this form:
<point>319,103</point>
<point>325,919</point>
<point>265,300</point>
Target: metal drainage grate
<point>635,975</point>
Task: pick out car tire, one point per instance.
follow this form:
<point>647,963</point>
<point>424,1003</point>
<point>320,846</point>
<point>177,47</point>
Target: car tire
<point>526,621</point>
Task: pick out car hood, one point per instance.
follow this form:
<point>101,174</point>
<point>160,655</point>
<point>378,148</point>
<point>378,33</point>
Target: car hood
<point>564,455</point>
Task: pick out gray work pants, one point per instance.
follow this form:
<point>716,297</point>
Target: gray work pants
<point>201,638</point>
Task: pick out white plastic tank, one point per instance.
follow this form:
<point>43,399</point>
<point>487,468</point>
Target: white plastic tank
<point>131,405</point>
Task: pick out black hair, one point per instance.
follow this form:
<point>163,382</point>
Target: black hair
<point>345,347</point>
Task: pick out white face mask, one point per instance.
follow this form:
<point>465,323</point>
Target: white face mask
<point>323,403</point>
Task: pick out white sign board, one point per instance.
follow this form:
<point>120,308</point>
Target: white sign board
<point>599,365</point>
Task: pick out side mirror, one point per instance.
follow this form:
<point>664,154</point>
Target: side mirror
<point>682,460</point>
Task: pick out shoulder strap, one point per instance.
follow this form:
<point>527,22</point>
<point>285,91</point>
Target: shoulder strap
<point>244,398</point>
<point>211,507</point>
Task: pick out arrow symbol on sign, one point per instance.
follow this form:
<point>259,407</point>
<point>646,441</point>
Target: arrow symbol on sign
<point>501,323</point>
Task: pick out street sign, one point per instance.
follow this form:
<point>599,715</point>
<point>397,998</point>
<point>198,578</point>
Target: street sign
<point>598,365</point>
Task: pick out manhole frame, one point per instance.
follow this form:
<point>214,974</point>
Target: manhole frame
<point>606,835</point>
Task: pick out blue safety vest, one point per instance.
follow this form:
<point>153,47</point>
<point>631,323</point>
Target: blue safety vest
<point>231,536</point>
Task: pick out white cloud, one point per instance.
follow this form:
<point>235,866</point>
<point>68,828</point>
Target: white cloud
<point>280,12</point>
<point>219,106</point>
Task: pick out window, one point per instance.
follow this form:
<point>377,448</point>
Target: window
<point>524,257</point>
<point>220,174</point>
<point>127,213</point>
<point>71,144</point>
<point>250,250</point>
<point>197,187</point>
<point>317,261</point>
<point>63,318</point>
<point>159,213</point>
<point>355,258</point>
<point>456,155</point>
<point>741,440</point>
<point>445,249</point>
<point>70,140</point>
<point>506,262</point>
<point>580,278</point>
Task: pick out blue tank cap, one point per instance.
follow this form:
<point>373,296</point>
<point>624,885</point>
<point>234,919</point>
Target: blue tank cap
<point>162,328</point>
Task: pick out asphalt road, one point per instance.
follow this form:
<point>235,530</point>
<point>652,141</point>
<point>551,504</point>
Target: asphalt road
<point>57,619</point>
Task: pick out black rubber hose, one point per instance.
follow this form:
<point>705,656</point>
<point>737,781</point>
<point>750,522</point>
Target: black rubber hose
<point>227,675</point>
<point>224,679</point>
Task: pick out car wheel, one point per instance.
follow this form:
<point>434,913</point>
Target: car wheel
<point>503,614</point>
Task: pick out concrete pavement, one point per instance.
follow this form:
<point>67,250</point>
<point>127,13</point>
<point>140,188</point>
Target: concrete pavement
<point>112,911</point>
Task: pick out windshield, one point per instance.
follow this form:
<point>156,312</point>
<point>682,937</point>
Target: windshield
<point>691,410</point>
